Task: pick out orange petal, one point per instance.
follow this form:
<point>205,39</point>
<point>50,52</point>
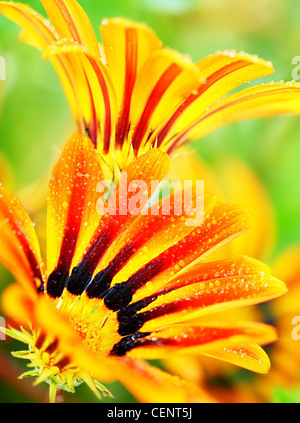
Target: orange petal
<point>150,235</point>
<point>149,384</point>
<point>218,340</point>
<point>19,247</point>
<point>205,288</point>
<point>223,224</point>
<point>77,189</point>
<point>287,266</point>
<point>71,216</point>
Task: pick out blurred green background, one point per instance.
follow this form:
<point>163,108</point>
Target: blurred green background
<point>35,119</point>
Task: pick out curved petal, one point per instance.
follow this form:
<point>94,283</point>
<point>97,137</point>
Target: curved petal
<point>235,343</point>
<point>250,357</point>
<point>37,31</point>
<point>97,94</point>
<point>19,247</point>
<point>205,288</point>
<point>221,73</point>
<point>71,22</point>
<point>166,79</point>
<point>149,384</point>
<point>254,102</point>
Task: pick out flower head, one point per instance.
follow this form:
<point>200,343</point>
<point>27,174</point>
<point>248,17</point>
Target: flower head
<point>123,287</point>
<point>130,93</point>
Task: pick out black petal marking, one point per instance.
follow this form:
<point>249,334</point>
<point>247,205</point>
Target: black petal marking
<point>82,274</point>
<point>101,282</point>
<point>129,319</point>
<point>120,295</point>
<point>128,343</point>
<point>57,281</point>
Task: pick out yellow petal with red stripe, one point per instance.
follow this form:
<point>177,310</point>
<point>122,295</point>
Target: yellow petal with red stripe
<point>71,22</point>
<point>127,46</point>
<point>95,90</point>
<point>227,62</point>
<point>221,73</point>
<point>19,247</point>
<point>161,86</point>
<point>254,102</point>
<point>37,27</point>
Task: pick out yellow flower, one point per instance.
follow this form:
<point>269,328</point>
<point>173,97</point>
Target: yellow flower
<point>130,93</point>
<point>118,289</point>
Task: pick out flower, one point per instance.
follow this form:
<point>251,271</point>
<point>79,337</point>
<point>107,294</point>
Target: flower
<point>120,289</point>
<point>130,94</point>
